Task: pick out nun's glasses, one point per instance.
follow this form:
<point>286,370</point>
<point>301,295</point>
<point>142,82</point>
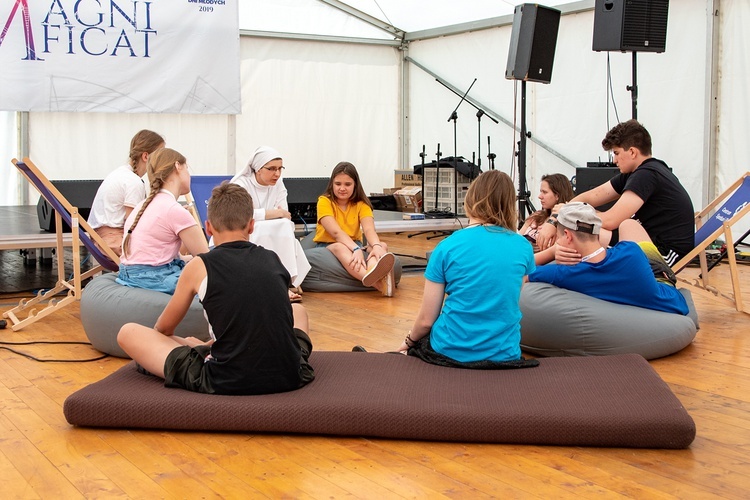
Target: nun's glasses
<point>274,170</point>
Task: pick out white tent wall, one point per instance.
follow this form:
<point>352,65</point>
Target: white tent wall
<point>570,114</point>
<point>317,102</point>
<point>90,145</point>
<point>8,146</point>
<point>320,103</point>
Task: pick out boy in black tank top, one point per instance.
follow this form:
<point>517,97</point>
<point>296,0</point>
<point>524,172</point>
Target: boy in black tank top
<point>259,345</point>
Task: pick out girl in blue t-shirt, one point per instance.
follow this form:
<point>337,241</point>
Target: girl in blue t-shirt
<point>470,314</point>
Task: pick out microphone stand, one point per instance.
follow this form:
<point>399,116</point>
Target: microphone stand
<point>490,155</point>
<point>480,114</point>
<point>454,117</point>
<point>424,174</point>
<point>423,155</point>
<point>437,177</point>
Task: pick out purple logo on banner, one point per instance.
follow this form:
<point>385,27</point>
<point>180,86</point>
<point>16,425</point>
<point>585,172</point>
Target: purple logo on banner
<point>27,32</point>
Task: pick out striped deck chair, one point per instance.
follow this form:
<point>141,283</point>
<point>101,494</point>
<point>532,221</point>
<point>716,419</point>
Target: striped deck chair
<point>82,236</point>
<point>714,221</point>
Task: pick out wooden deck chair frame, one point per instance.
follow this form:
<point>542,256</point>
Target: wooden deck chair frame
<point>731,215</point>
<point>82,235</point>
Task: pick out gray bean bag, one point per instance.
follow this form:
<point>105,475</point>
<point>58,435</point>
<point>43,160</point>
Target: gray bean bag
<point>106,306</point>
<point>559,322</point>
<point>328,275</point>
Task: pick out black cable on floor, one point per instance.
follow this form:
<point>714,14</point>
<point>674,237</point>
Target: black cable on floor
<point>62,342</point>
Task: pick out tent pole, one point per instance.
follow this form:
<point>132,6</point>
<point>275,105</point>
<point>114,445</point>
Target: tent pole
<point>404,132</point>
<point>711,110</point>
<point>22,133</point>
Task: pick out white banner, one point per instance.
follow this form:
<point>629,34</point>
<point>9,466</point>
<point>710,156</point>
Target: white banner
<point>120,56</point>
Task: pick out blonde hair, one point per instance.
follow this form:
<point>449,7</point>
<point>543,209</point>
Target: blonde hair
<point>144,141</point>
<point>161,164</point>
<point>492,199</point>
<point>230,207</point>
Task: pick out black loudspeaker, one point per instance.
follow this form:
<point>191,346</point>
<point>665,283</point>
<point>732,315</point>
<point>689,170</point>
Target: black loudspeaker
<point>302,197</point>
<point>630,25</point>
<point>79,193</point>
<point>532,43</point>
<point>594,175</point>
<point>588,178</point>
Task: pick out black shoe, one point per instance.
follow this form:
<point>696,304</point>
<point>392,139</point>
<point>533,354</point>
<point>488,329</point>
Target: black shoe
<point>358,348</point>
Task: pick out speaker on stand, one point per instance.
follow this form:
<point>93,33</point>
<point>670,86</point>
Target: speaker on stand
<point>631,26</point>
<point>530,58</point>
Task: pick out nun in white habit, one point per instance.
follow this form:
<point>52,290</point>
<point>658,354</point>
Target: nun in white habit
<point>274,228</point>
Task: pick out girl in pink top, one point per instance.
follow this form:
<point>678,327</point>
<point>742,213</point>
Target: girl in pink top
<point>159,227</point>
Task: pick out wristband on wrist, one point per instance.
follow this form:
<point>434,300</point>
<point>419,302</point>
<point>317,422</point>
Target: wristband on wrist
<point>552,221</point>
<point>376,245</point>
<point>409,341</point>
<point>357,247</point>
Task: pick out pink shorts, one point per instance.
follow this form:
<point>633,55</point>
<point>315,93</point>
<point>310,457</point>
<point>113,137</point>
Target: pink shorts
<point>112,236</point>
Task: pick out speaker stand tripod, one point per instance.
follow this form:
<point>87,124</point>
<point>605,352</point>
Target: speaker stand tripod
<point>633,89</point>
<point>524,200</point>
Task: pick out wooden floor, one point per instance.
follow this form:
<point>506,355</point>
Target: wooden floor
<point>41,456</point>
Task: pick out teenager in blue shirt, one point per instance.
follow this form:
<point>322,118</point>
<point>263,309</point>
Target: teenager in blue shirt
<point>470,312</point>
<point>627,273</point>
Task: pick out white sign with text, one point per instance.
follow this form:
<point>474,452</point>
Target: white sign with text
<point>120,56</point>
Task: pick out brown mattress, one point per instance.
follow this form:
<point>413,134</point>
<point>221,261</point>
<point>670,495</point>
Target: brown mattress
<point>615,401</point>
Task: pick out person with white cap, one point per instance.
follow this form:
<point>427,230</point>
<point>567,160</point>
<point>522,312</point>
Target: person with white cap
<point>627,273</point>
<point>274,228</point>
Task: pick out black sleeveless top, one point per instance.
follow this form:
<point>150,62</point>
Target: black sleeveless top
<point>247,305</point>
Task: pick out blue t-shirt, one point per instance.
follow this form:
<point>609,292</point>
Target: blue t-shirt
<point>482,269</point>
<point>623,277</point>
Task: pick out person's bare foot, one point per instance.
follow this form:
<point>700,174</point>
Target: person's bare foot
<point>294,296</point>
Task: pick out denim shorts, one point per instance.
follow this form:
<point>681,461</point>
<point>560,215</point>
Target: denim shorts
<point>160,278</point>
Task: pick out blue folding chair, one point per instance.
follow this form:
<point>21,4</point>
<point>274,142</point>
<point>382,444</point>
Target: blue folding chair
<point>712,222</point>
<point>200,192</point>
<point>82,235</point>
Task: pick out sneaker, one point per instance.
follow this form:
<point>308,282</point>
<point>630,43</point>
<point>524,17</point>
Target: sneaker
<point>388,284</point>
<point>379,270</point>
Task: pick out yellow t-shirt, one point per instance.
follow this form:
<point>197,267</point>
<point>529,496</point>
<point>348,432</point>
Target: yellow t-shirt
<point>348,220</point>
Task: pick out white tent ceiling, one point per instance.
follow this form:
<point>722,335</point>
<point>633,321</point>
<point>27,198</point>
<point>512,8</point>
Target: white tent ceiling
<point>349,18</point>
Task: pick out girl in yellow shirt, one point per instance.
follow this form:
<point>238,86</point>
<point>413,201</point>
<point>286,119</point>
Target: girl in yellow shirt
<point>344,215</point>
